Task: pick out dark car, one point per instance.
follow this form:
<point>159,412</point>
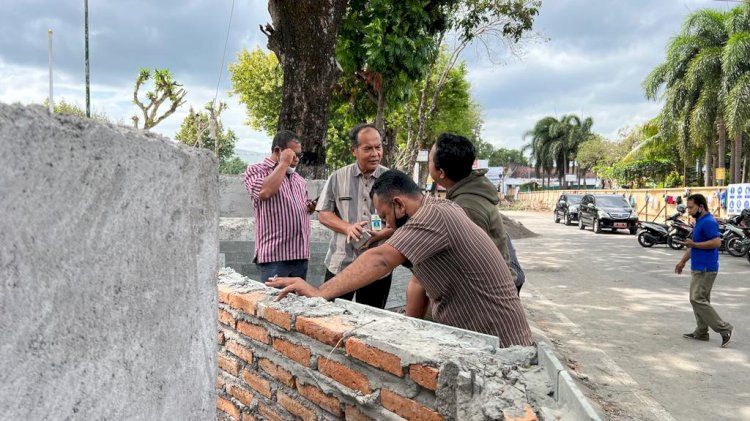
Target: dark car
<point>566,208</point>
<point>607,211</point>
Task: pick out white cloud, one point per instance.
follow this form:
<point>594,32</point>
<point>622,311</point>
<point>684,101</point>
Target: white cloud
<point>593,65</point>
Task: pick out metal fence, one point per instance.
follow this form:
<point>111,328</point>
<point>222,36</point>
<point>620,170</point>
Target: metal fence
<point>651,204</point>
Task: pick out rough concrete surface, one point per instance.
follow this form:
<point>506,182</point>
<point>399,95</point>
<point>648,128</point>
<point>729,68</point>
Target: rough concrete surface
<point>108,250</point>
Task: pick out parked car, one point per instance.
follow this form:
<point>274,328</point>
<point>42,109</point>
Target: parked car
<point>607,211</point>
<point>566,208</point>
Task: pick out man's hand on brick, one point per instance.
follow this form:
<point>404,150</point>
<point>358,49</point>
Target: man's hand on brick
<point>295,285</point>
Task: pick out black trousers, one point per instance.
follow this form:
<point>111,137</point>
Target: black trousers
<point>374,295</point>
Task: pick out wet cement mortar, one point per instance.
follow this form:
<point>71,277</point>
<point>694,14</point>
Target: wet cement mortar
<point>477,381</point>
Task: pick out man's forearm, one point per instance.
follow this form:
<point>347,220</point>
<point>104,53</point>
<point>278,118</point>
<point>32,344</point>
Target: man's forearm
<point>685,256</point>
<point>366,269</point>
<point>333,222</point>
<point>271,184</point>
<point>709,244</point>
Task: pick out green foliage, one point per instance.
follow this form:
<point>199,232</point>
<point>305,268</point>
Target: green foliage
<point>195,131</point>
<point>235,165</point>
<point>555,143</point>
<point>640,173</point>
<point>503,157</point>
<point>63,107</point>
<point>596,150</point>
<point>257,78</point>
<point>165,88</point>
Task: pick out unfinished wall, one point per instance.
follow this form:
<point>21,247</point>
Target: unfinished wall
<point>314,360</point>
<point>108,254</point>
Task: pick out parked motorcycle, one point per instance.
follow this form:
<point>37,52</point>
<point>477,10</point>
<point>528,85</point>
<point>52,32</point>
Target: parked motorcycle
<point>679,231</point>
<point>651,233</point>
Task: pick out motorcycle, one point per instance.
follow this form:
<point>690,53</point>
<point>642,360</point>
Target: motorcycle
<point>651,233</point>
<point>678,233</point>
<point>739,246</point>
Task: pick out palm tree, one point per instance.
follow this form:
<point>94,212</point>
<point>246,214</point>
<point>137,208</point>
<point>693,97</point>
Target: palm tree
<point>736,83</point>
<point>706,87</point>
<point>554,143</point>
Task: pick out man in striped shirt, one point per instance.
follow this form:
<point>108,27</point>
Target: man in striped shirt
<point>282,223</point>
<point>346,208</point>
<point>455,262</point>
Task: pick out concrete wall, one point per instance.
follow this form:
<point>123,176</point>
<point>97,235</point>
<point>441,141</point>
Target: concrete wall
<point>108,254</point>
<point>315,360</point>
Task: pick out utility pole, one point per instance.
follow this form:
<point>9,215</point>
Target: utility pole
<point>50,102</point>
<point>86,55</point>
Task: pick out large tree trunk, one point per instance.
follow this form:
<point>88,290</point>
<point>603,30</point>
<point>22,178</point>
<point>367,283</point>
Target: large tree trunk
<point>722,154</point>
<point>733,161</point>
<point>737,156</point>
<point>303,37</point>
<point>707,179</point>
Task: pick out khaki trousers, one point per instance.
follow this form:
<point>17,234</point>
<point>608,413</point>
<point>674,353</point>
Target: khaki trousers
<point>700,298</point>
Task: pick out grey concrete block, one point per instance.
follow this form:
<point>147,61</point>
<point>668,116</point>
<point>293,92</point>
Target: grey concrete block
<point>108,250</point>
<point>551,364</point>
<point>572,397</point>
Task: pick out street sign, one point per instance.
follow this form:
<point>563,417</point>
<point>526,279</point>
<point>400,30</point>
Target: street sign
<point>738,198</point>
<point>422,156</point>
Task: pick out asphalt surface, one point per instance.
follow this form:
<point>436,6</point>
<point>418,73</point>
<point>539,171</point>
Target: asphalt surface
<point>616,311</point>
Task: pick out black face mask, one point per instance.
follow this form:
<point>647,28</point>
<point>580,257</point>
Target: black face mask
<point>400,222</point>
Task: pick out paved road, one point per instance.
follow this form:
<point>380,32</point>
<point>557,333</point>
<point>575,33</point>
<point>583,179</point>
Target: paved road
<point>616,312</point>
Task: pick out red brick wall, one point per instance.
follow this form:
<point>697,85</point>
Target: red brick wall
<point>312,360</point>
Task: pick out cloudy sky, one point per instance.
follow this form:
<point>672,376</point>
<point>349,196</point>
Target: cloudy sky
<point>597,54</point>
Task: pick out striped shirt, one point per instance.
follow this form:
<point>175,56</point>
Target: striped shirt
<point>463,273</point>
<point>347,194</point>
<point>282,225</point>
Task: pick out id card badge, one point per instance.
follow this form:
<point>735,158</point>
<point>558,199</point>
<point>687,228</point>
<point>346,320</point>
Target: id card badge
<point>376,223</point>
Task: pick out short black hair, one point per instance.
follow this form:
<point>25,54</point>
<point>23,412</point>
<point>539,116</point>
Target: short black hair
<point>354,133</point>
<point>393,182</point>
<point>454,155</point>
<point>699,200</point>
<point>282,139</point>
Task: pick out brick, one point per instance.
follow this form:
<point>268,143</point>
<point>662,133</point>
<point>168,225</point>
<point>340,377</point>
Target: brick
<point>257,382</point>
<point>228,408</point>
<point>220,338</point>
<point>229,365</point>
<point>258,333</point>
<point>354,414</point>
<point>297,353</point>
<point>241,394</point>
<point>219,382</point>
<point>224,293</point>
<point>318,397</point>
<point>247,303</point>
<point>268,412</point>
<point>344,375</point>
<point>375,357</point>
<point>226,318</point>
<point>295,407</point>
<point>511,414</point>
<point>248,417</point>
<point>424,375</point>
<point>278,317</point>
<point>329,330</point>
<point>278,373</point>
<point>243,352</point>
<point>407,408</point>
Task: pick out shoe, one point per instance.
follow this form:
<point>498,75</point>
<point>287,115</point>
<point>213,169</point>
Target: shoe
<point>725,337</point>
<point>692,335</point>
